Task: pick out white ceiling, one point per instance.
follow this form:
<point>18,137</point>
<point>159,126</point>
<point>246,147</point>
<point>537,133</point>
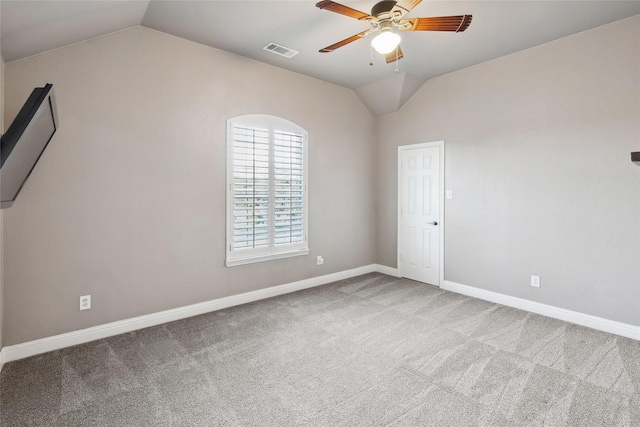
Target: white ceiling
<point>498,28</point>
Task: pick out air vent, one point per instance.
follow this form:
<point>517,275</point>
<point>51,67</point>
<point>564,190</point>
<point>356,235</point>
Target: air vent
<point>280,50</point>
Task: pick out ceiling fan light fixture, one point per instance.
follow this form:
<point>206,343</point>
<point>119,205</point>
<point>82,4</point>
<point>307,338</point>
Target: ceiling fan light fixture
<point>385,42</point>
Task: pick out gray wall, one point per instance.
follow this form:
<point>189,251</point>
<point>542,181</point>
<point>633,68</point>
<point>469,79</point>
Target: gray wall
<point>127,202</point>
<point>1,211</point>
<point>537,157</point>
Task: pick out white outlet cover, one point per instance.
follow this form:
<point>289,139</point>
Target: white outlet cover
<point>449,194</point>
<point>85,302</point>
<point>535,281</point>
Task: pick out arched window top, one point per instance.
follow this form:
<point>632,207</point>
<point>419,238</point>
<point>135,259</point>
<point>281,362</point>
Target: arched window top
<point>268,121</point>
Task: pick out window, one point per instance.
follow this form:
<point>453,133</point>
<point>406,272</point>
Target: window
<point>266,189</point>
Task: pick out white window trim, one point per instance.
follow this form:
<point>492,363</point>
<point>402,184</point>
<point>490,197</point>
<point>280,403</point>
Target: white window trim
<point>239,256</point>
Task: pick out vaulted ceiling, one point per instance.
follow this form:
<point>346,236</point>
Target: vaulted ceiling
<point>498,28</point>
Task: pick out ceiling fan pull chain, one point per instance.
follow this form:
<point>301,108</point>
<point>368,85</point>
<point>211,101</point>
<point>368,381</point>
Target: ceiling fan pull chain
<point>397,60</point>
<point>371,53</point>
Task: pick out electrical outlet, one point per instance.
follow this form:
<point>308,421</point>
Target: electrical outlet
<point>320,260</point>
<point>449,194</point>
<point>85,302</point>
<point>535,281</point>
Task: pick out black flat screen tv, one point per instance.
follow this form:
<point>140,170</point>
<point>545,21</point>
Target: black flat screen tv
<point>25,141</point>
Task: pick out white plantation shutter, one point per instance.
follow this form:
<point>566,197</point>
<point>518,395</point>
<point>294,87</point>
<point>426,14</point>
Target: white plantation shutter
<point>250,187</point>
<point>266,200</point>
<point>289,187</point>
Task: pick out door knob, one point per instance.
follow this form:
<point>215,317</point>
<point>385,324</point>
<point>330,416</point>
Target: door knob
<point>433,223</point>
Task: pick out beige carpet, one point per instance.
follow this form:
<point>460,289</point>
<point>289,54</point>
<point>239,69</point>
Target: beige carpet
<point>368,351</point>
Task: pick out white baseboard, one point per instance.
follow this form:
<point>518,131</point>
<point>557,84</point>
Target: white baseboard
<point>56,342</point>
<point>389,271</point>
<point>594,322</point>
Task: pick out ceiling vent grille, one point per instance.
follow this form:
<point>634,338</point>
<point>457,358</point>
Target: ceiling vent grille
<point>280,50</point>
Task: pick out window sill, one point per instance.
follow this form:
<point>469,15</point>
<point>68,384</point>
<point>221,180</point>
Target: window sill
<point>261,258</point>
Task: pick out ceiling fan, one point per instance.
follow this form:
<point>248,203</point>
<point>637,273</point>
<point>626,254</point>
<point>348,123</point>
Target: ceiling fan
<point>388,15</point>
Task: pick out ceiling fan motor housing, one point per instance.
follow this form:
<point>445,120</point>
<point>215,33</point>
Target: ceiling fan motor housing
<point>384,6</point>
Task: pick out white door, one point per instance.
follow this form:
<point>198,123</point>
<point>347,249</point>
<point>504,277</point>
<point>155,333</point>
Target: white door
<point>419,214</point>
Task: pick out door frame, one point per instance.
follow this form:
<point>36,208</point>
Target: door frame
<point>441,197</point>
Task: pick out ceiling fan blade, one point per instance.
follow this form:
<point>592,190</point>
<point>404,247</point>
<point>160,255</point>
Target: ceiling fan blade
<point>346,41</point>
<point>393,56</point>
<point>457,23</point>
<point>407,5</point>
<point>342,9</point>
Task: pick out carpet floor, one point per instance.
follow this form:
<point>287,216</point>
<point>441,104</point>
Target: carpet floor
<point>372,350</point>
